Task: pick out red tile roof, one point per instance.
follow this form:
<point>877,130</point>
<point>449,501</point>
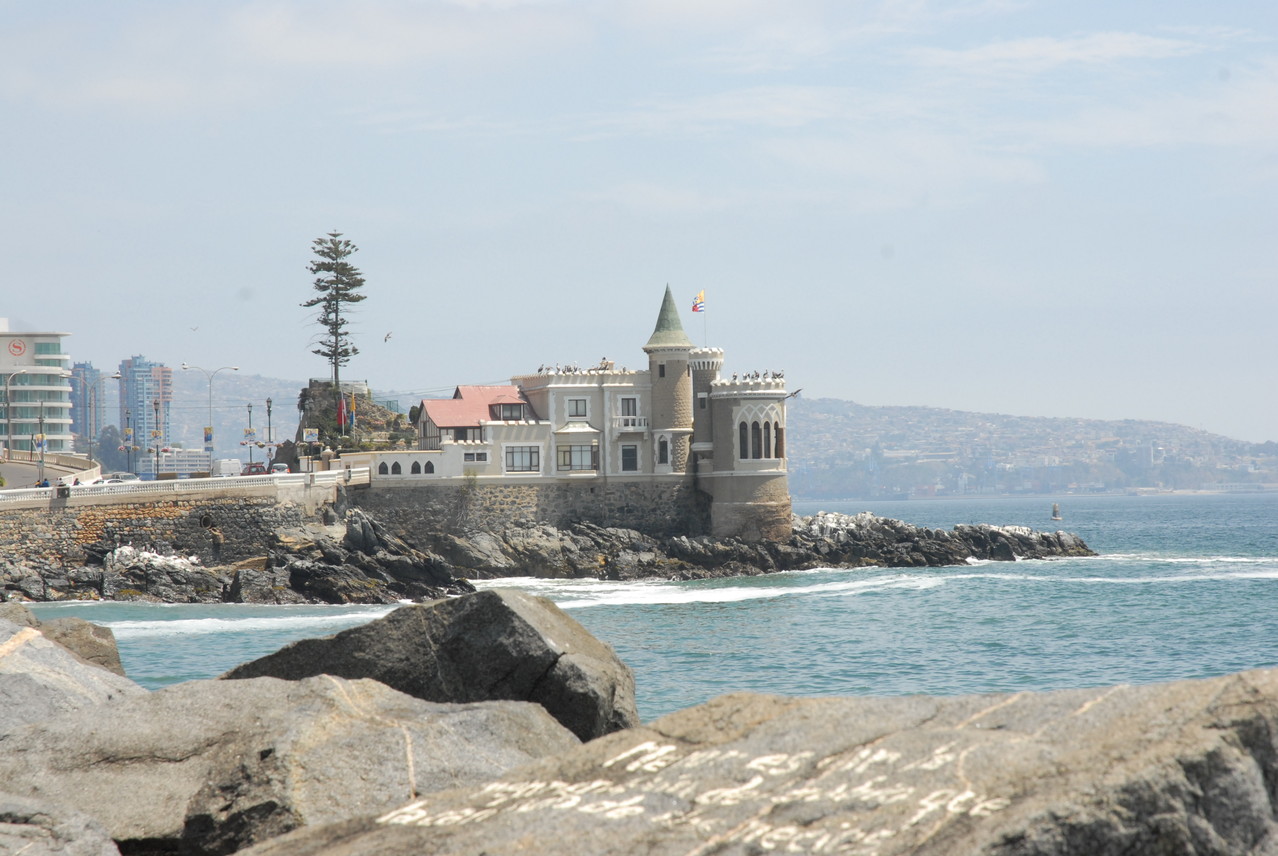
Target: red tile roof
<point>470,405</point>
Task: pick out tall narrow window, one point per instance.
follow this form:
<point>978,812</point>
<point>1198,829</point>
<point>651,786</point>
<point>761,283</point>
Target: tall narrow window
<point>661,369</point>
<point>756,441</point>
<point>663,451</point>
<point>744,440</point>
<point>780,441</point>
<point>629,459</point>
<point>767,439</point>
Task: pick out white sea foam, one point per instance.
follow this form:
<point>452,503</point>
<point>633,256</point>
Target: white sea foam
<point>248,624</point>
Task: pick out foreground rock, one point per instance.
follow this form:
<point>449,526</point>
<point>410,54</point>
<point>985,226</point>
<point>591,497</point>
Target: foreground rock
<point>497,644</point>
<point>824,540</point>
<point>35,828</point>
<point>1183,768</point>
<point>40,678</point>
<point>208,767</point>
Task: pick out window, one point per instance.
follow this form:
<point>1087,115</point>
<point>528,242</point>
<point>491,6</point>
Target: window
<point>475,457</point>
<point>756,441</point>
<point>576,408</point>
<point>382,469</point>
<point>429,468</point>
<point>663,451</point>
<point>629,459</point>
<point>48,347</point>
<point>743,442</point>
<point>767,439</point>
<point>629,413</point>
<point>780,441</point>
<point>578,458</point>
<point>702,400</point>
<point>523,459</point>
<point>417,468</point>
<point>512,412</point>
<point>396,469</point>
<point>661,369</point>
<point>462,435</point>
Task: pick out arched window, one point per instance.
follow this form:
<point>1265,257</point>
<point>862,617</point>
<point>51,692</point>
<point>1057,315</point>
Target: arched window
<point>756,440</point>
<point>767,439</point>
<point>382,469</point>
<point>744,441</point>
<point>780,435</point>
<point>416,469</point>
<point>396,469</point>
<point>663,451</point>
<point>429,468</point>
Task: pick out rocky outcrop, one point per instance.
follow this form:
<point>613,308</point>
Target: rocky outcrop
<point>40,679</point>
<point>824,540</point>
<point>496,644</point>
<point>209,767</point>
<point>1184,768</point>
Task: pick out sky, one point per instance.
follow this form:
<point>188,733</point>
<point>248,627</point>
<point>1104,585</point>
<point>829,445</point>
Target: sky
<point>1030,208</point>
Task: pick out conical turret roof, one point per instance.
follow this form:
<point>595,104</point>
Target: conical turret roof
<point>669,330</point>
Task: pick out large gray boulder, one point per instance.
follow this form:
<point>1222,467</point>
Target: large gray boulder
<point>34,828</point>
<point>208,767</point>
<point>495,644</point>
<point>39,679</point>
<point>1186,768</point>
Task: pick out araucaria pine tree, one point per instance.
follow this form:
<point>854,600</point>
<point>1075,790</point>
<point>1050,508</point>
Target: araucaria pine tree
<point>337,285</point>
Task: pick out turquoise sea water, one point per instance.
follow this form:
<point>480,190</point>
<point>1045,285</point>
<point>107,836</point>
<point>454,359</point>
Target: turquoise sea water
<point>1186,586</point>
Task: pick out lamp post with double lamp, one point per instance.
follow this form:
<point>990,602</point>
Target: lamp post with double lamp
<point>208,441</point>
<point>8,412</point>
<point>270,439</point>
<point>93,391</point>
<point>128,438</point>
<point>156,436</point>
<point>250,437</point>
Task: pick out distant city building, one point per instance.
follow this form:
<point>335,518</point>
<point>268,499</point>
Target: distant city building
<point>86,400</point>
<point>36,393</point>
<point>145,400</point>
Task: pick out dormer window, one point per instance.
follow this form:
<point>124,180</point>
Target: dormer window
<point>512,412</point>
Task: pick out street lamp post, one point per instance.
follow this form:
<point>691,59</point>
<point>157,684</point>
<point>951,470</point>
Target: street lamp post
<point>270,450</point>
<point>128,438</point>
<point>208,441</point>
<point>155,437</point>
<point>250,432</point>
<point>94,389</point>
<point>8,412</point>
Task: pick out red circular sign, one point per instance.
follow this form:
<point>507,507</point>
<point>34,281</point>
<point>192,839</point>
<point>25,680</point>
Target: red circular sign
<point>17,347</point>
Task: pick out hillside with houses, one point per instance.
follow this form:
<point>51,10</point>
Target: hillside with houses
<point>841,449</point>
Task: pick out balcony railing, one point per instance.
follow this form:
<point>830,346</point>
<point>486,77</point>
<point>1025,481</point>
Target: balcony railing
<point>630,423</point>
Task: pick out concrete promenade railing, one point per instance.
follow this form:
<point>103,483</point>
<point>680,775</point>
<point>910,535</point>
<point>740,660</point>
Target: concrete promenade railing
<point>151,491</point>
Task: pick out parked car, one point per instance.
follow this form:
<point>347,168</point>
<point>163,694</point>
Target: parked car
<point>279,468</point>
<point>253,469</point>
<point>116,478</point>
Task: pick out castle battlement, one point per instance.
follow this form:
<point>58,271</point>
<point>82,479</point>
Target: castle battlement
<point>769,387</point>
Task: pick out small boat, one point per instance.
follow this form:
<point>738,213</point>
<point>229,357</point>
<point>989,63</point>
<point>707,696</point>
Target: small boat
<point>1056,511</point>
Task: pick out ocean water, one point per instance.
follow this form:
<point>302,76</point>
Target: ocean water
<point>1185,587</point>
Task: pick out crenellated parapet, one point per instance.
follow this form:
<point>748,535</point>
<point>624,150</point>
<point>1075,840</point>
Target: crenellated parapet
<point>706,359</point>
<point>764,386</point>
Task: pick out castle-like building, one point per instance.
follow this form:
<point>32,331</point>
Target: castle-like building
<point>675,442</point>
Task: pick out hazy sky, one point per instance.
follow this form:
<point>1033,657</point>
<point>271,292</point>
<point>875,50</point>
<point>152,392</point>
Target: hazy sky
<point>1036,208</point>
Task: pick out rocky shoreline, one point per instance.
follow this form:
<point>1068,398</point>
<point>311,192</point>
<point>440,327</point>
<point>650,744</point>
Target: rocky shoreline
<point>492,723</point>
<point>360,561</point>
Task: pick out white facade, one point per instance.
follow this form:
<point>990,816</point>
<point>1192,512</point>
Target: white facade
<point>36,396</point>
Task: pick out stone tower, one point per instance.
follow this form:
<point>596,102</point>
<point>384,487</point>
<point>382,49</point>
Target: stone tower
<point>744,470</point>
<point>671,422</point>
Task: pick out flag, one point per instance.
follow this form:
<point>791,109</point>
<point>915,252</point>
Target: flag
<point>699,302</point>
<point>341,411</point>
<point>352,410</point>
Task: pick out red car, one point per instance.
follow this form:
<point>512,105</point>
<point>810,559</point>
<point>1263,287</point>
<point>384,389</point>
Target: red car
<point>253,469</point>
